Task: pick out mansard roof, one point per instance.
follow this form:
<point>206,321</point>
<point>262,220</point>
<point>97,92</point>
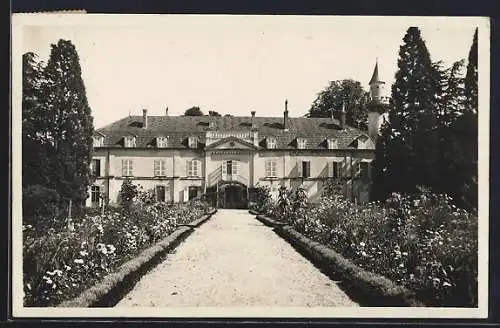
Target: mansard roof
<point>180,128</point>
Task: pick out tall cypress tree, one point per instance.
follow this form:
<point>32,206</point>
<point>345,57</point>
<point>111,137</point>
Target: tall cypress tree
<point>71,123</point>
<point>35,161</point>
<point>411,139</point>
<point>466,130</point>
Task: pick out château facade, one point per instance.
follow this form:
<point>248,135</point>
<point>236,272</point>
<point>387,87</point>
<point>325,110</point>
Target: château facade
<point>183,157</point>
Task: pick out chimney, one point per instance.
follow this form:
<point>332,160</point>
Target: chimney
<point>342,116</point>
<point>166,111</point>
<point>254,126</point>
<point>145,118</point>
<point>285,116</point>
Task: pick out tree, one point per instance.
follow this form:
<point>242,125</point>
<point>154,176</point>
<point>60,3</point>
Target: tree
<point>70,124</point>
<point>128,192</point>
<point>36,149</point>
<point>471,81</point>
<point>213,113</point>
<point>193,111</point>
<point>465,132</point>
<point>411,138</point>
<point>331,99</point>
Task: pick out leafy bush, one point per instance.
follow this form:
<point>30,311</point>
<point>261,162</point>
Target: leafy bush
<point>422,241</point>
<point>58,263</point>
<point>40,204</point>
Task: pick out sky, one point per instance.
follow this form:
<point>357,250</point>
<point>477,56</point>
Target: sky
<point>235,64</point>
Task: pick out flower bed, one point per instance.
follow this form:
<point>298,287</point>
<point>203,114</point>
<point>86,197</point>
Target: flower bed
<point>60,264</point>
<point>421,242</point>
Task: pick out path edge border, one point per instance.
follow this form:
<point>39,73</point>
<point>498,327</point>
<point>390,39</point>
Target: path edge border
<point>115,285</point>
<point>369,284</point>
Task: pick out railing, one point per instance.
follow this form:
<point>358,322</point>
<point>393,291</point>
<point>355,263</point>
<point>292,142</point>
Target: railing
<point>234,177</point>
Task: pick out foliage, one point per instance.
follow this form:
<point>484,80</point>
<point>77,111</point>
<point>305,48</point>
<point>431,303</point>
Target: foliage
<point>58,264</point>
<point>70,124</point>
<point>329,103</point>
<point>421,241</point>
<point>261,199</point>
<point>193,111</point>
<point>431,136</point>
<point>40,203</point>
<point>213,113</point>
<point>128,192</point>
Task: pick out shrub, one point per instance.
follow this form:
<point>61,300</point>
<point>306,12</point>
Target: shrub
<point>421,241</point>
<point>128,192</point>
<point>58,264</point>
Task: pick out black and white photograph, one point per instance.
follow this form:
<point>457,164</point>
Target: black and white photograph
<point>250,166</point>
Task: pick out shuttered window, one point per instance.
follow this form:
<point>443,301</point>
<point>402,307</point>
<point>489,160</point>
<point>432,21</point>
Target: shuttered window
<point>305,169</point>
<point>193,168</point>
<point>127,168</point>
<point>129,142</point>
<point>335,169</point>
<point>271,171</point>
<point>161,142</point>
<point>271,143</point>
<point>301,143</point>
<point>193,142</point>
<point>160,193</point>
<point>159,168</point>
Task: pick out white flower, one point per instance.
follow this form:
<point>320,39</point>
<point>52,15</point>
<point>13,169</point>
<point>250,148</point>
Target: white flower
<point>84,253</point>
<point>67,267</point>
<point>362,244</point>
<point>446,284</point>
<point>111,248</point>
<point>78,261</point>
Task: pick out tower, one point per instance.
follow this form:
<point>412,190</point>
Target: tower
<point>377,87</point>
<point>377,105</point>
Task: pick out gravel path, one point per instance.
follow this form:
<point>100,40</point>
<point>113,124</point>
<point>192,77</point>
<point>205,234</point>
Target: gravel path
<point>234,260</point>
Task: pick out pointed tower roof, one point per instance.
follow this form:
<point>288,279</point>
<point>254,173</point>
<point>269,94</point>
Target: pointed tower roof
<point>375,78</point>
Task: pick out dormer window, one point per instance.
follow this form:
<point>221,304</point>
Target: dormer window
<point>129,141</point>
<point>193,142</point>
<point>271,143</point>
<point>363,142</point>
<point>301,143</point>
<point>161,142</point>
<point>331,144</point>
<point>98,141</point>
<point>212,125</point>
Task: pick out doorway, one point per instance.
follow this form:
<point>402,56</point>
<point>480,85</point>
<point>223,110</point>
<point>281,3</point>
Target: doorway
<point>233,196</point>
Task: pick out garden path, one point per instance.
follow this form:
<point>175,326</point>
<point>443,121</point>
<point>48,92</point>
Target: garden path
<point>235,260</point>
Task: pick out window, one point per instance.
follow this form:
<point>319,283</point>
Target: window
<point>271,168</point>
<point>129,141</point>
<point>271,143</point>
<point>193,168</point>
<point>98,141</point>
<point>94,195</point>
<point>160,193</point>
<point>127,168</point>
<point>161,142</point>
<point>335,169</point>
<point>159,168</point>
<point>364,169</point>
<point>193,142</point>
<point>193,192</point>
<point>96,167</point>
<point>332,144</point>
<point>301,143</point>
<point>230,167</point>
<point>306,169</point>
